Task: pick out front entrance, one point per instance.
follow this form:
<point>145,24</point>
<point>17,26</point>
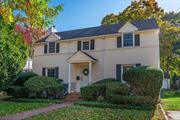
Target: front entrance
<point>76,77</point>
<point>82,79</point>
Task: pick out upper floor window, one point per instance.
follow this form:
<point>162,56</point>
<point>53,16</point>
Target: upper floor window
<point>86,45</point>
<point>128,39</point>
<point>51,47</point>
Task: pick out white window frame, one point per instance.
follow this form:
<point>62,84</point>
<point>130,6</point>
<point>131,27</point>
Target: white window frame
<point>46,74</point>
<point>89,44</point>
<point>55,47</point>
<point>133,35</point>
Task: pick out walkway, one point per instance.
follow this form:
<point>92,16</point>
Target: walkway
<point>173,115</point>
<point>23,115</point>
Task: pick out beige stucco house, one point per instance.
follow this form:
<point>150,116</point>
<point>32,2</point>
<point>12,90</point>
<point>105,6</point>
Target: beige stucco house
<point>83,56</point>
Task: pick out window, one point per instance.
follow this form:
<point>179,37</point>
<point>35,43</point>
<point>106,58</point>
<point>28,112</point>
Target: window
<point>128,39</point>
<point>51,47</point>
<point>86,45</point>
<point>127,67</point>
<point>51,72</point>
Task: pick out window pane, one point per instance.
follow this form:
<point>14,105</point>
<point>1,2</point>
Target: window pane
<point>128,39</point>
<point>51,72</point>
<point>51,47</point>
<point>86,45</point>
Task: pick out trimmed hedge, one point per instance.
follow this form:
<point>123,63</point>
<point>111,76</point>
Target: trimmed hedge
<point>116,88</point>
<point>23,77</point>
<point>16,91</point>
<point>170,94</point>
<point>110,105</point>
<point>133,100</point>
<point>41,86</point>
<point>144,81</point>
<point>93,91</point>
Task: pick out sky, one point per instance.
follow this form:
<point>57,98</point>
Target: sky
<point>89,13</point>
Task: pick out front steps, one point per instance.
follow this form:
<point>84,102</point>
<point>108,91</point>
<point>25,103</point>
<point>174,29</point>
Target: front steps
<point>72,97</point>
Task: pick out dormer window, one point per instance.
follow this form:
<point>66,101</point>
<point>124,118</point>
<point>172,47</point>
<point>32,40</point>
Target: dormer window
<point>51,47</point>
<point>128,39</point>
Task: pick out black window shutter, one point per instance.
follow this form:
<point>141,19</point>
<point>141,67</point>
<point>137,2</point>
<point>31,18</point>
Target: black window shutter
<point>137,40</point>
<point>92,44</point>
<point>79,45</point>
<point>57,72</point>
<point>45,49</point>
<point>118,72</point>
<point>119,42</point>
<point>57,47</point>
<point>138,64</point>
<point>43,71</point>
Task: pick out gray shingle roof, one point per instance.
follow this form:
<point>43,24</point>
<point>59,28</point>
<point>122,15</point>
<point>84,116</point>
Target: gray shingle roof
<point>104,30</point>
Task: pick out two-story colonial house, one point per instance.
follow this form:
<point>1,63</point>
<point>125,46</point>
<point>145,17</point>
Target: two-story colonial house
<point>83,56</point>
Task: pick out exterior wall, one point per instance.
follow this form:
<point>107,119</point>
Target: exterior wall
<point>106,52</point>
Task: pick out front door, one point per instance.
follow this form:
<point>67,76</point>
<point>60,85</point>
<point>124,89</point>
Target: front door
<point>84,79</point>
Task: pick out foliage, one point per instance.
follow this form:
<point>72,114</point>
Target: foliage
<point>169,37</point>
<point>37,100</point>
<point>93,91</point>
<point>39,86</point>
<point>170,94</point>
<point>23,77</point>
<point>110,105</point>
<point>37,13</point>
<point>144,81</point>
<point>16,91</point>
<point>171,103</point>
<point>133,100</point>
<point>139,9</point>
<point>13,54</point>
<point>92,113</point>
<point>100,98</point>
<point>172,17</point>
<point>8,108</point>
<point>116,88</point>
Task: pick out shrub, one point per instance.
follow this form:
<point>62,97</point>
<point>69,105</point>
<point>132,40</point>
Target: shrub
<point>107,80</point>
<point>132,100</point>
<point>43,86</point>
<point>170,94</point>
<point>144,81</point>
<point>16,91</point>
<point>116,88</point>
<point>23,77</point>
<point>93,91</point>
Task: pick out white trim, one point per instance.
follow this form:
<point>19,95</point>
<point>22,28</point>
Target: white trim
<point>69,78</point>
<point>90,73</point>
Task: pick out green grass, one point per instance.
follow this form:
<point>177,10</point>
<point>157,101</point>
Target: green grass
<point>7,108</point>
<point>171,103</point>
<point>91,113</point>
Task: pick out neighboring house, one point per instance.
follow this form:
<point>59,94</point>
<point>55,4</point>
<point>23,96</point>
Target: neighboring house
<point>83,56</point>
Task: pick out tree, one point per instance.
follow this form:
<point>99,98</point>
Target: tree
<point>139,9</point>
<point>169,38</point>
<point>22,22</point>
<point>13,54</point>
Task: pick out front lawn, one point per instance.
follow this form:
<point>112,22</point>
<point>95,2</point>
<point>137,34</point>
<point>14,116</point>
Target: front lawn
<point>171,103</point>
<point>13,106</point>
<point>91,113</point>
<point>7,108</point>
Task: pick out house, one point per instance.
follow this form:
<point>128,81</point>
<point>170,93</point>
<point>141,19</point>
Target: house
<point>83,56</point>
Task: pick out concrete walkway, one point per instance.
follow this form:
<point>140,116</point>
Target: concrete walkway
<point>26,114</point>
<point>173,115</point>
